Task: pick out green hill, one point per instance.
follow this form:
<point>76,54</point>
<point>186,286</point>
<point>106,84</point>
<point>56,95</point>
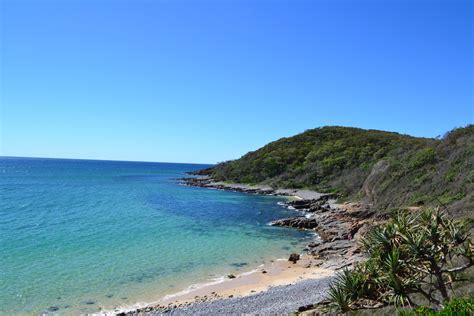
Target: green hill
<point>382,168</point>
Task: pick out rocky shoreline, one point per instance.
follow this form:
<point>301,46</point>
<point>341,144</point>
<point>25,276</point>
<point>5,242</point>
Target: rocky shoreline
<point>338,228</point>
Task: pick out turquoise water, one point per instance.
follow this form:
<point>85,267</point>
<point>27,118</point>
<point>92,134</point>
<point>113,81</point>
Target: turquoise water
<point>88,236</point>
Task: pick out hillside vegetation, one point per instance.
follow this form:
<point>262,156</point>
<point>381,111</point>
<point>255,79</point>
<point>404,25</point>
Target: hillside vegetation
<point>382,168</point>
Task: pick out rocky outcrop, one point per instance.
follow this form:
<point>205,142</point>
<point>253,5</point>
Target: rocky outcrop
<point>339,228</point>
<point>201,172</point>
<point>300,222</point>
<point>209,183</point>
<point>374,180</point>
<point>313,205</point>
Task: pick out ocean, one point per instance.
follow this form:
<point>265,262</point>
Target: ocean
<point>88,236</point>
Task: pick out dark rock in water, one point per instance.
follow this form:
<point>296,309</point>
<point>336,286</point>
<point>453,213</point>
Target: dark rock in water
<point>53,309</point>
<point>264,271</point>
<point>90,302</point>
<point>110,295</point>
<point>231,276</point>
<point>239,264</point>
<point>300,204</point>
<point>294,257</point>
<point>300,222</point>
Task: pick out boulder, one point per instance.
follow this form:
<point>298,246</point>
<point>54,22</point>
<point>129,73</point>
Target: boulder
<point>300,222</point>
<point>294,257</point>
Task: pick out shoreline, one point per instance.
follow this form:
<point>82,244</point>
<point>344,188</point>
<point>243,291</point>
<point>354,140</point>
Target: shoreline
<point>209,183</point>
<point>333,249</point>
<point>279,273</point>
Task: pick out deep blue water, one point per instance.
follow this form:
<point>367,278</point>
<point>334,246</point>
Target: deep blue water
<point>84,236</point>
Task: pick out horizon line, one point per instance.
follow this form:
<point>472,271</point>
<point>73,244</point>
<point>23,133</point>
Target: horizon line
<point>112,160</point>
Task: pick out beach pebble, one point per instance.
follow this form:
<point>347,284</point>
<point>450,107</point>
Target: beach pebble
<point>231,276</point>
<point>279,300</point>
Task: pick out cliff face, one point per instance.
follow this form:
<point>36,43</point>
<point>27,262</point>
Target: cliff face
<point>381,168</point>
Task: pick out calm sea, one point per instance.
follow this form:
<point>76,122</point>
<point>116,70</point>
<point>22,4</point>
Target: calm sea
<point>89,236</point>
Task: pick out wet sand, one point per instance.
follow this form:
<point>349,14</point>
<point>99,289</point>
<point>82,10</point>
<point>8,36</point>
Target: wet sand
<point>277,273</point>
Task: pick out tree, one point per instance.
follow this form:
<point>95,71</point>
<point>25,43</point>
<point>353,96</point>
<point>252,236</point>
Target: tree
<point>414,253</point>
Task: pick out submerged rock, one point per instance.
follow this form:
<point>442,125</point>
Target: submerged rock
<point>53,309</point>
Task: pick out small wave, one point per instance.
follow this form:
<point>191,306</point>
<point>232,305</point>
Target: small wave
<point>192,287</point>
<point>196,286</point>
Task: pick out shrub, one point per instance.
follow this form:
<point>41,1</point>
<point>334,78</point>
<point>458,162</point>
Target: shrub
<point>455,307</point>
<point>419,253</point>
<point>422,158</point>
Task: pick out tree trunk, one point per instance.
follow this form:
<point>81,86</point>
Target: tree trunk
<point>439,280</point>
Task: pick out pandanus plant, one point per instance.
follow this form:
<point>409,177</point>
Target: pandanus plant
<point>415,252</point>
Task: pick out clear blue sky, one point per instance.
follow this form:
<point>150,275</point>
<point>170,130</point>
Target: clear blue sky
<point>206,81</point>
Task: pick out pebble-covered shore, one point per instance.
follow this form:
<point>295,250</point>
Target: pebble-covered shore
<point>279,300</point>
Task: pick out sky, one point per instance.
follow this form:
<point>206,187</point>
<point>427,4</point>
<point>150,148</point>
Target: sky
<point>207,81</point>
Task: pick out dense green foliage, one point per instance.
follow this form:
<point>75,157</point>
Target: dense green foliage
<point>386,169</point>
<point>414,254</point>
<point>455,307</point>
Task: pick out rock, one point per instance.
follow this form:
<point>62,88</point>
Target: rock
<point>305,308</point>
<point>300,222</point>
<point>374,179</point>
<point>231,276</point>
<point>300,204</point>
<point>263,271</point>
<point>294,257</point>
<point>318,207</point>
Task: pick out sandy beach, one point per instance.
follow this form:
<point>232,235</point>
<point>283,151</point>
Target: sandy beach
<point>225,293</point>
